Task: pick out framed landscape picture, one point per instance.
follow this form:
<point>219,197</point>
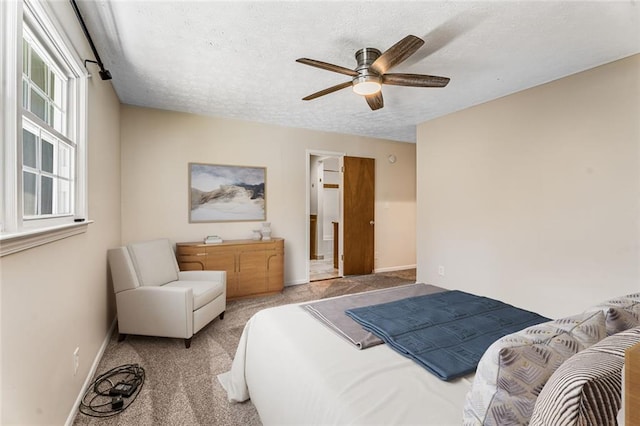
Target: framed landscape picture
<point>220,193</point>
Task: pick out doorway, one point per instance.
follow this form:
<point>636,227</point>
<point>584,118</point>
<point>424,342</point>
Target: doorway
<point>343,244</point>
<point>325,197</point>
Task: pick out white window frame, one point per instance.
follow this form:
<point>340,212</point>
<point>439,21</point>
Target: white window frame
<point>16,232</point>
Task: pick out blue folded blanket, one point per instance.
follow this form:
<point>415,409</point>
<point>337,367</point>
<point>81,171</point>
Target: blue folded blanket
<point>446,332</point>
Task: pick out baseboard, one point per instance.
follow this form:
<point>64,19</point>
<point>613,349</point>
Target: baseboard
<point>74,410</point>
<point>394,268</point>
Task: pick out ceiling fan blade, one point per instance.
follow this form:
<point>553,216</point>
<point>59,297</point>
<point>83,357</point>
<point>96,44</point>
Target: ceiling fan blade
<point>375,101</point>
<point>415,80</point>
<point>327,66</point>
<point>327,91</point>
<point>396,54</point>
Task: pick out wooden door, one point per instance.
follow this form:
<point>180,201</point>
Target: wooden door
<point>359,215</point>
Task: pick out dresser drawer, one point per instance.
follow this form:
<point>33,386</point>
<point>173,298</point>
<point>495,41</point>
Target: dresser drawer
<point>191,258</point>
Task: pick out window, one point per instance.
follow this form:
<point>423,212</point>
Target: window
<point>47,173</point>
<point>43,127</point>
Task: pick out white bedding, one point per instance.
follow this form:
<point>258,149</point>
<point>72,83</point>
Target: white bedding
<point>298,372</point>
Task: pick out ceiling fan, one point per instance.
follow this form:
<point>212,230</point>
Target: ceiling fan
<point>371,72</point>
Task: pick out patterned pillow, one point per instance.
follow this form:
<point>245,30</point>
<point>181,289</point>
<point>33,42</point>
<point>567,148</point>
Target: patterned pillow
<point>621,313</point>
<point>586,389</point>
<point>514,369</point>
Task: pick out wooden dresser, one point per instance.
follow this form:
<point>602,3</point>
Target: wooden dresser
<point>254,268</point>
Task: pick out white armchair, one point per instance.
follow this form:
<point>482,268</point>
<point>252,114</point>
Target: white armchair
<point>155,298</point>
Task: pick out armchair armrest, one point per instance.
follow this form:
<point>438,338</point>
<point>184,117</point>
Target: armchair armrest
<point>156,311</point>
<point>217,276</point>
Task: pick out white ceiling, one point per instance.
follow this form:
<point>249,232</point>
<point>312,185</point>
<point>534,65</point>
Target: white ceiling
<point>236,59</point>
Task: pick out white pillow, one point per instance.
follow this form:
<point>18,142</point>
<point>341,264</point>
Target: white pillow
<point>586,389</point>
<point>621,313</point>
<point>515,368</point>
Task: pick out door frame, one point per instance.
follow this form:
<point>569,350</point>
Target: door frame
<point>307,220</point>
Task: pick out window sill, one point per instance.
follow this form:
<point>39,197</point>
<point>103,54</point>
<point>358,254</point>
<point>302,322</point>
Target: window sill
<point>24,240</point>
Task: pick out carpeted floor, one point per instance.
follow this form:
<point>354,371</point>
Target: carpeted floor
<point>181,387</point>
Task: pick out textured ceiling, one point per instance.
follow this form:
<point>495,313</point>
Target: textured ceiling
<point>237,59</point>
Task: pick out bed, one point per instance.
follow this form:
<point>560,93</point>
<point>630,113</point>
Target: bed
<point>298,371</point>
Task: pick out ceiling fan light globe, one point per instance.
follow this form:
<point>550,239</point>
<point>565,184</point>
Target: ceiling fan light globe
<point>365,88</point>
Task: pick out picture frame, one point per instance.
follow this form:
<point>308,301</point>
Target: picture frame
<point>226,193</point>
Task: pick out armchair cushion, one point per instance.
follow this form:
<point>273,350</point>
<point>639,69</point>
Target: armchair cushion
<point>154,262</point>
<point>204,292</point>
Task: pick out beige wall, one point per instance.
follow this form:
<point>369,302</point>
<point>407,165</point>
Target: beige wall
<point>534,198</point>
<point>56,297</point>
<point>158,145</point>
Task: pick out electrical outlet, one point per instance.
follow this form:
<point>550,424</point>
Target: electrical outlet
<point>441,270</point>
<point>76,360</point>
